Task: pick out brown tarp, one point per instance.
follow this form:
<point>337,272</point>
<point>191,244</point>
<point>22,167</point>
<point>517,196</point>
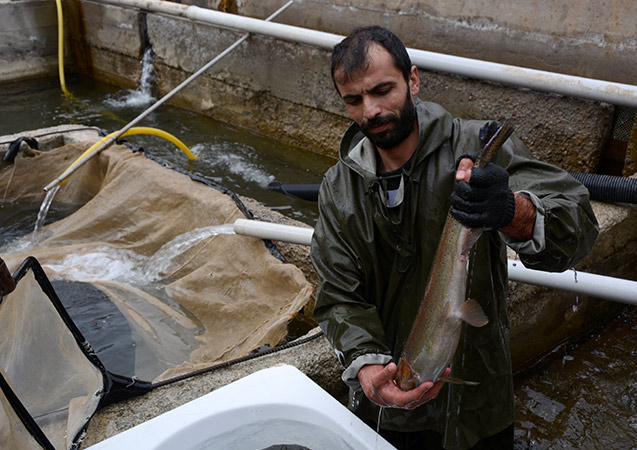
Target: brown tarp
<point>195,297</point>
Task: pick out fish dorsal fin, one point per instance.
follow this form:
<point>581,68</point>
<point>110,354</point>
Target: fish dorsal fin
<point>472,313</point>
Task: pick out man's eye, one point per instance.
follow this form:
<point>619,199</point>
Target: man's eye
<point>352,101</point>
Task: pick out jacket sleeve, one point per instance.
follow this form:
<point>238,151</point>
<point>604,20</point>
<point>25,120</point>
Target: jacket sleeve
<point>351,324</point>
<point>566,224</point>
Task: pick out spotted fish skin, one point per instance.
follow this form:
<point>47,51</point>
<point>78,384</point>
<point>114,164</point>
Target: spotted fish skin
<point>435,333</point>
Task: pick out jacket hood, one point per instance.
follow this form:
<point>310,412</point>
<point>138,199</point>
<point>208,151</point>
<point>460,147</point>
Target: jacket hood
<point>434,128</point>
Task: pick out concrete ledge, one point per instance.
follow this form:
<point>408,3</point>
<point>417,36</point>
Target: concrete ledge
<point>28,39</point>
<point>33,67</point>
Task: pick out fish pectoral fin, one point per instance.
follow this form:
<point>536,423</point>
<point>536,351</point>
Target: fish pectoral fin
<point>455,380</point>
<point>472,313</point>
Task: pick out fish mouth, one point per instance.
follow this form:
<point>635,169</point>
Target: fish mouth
<point>406,378</point>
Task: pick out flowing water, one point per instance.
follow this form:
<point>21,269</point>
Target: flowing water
<point>44,209</point>
<point>581,396</point>
<point>236,159</point>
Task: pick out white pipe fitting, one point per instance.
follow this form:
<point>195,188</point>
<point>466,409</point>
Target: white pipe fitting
<point>274,231</point>
<point>572,86</point>
<point>609,288</point>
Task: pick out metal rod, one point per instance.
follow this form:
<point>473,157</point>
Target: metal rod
<point>609,288</point>
<point>160,102</point>
<point>572,86</point>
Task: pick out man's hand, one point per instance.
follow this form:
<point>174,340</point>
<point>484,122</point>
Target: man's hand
<point>520,226</point>
<point>481,197</point>
<point>378,384</point>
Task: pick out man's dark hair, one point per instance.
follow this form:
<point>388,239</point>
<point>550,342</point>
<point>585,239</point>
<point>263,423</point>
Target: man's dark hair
<point>350,55</point>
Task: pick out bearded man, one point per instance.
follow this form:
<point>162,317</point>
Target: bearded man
<point>382,209</point>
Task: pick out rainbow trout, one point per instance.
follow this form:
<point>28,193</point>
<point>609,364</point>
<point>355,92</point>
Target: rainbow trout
<point>436,331</point>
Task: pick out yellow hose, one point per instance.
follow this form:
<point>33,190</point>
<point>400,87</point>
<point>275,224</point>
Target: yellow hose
<point>134,130</point>
<point>58,4</point>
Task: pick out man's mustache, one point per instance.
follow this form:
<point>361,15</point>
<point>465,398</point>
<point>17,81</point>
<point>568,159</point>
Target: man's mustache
<point>367,125</point>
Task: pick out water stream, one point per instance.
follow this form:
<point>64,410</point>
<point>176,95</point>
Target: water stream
<point>142,96</point>
<point>44,209</point>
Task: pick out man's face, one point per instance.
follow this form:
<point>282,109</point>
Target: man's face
<point>380,100</point>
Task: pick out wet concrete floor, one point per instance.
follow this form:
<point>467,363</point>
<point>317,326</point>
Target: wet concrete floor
<point>583,397</point>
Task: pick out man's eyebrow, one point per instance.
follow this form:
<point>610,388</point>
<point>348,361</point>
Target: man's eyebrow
<point>382,85</point>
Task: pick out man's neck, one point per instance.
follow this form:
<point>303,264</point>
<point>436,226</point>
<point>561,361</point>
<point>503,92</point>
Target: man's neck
<point>392,159</point>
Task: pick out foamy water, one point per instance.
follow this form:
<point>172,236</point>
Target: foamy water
<point>233,158</point>
<point>142,96</point>
<point>107,263</point>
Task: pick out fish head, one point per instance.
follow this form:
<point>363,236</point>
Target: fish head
<point>406,378</point>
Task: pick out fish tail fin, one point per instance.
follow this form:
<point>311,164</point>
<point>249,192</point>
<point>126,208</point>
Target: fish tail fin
<point>472,313</point>
<point>455,380</point>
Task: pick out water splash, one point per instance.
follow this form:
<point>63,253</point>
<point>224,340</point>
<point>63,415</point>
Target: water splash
<point>143,95</point>
<point>169,258</point>
<point>44,209</point>
<point>106,263</point>
<point>148,75</point>
<point>235,161</point>
<point>97,264</point>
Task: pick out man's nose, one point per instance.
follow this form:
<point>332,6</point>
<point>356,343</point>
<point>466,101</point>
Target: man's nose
<point>371,108</point>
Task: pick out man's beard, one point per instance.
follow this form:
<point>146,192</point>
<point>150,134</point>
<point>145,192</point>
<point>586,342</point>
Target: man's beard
<point>393,136</point>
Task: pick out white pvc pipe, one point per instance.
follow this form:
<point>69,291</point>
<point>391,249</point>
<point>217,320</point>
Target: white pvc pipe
<point>616,289</point>
<point>274,231</point>
<point>572,86</point>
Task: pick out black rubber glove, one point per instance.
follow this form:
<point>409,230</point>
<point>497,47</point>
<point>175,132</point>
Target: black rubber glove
<point>486,201</point>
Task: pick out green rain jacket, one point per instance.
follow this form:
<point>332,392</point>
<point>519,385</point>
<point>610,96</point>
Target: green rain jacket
<point>373,262</point>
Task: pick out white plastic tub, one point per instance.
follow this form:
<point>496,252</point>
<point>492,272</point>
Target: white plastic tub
<point>275,406</point>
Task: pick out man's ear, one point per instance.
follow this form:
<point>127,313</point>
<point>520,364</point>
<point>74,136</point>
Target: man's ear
<point>414,81</point>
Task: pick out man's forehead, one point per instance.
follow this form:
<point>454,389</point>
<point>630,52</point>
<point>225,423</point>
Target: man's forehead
<point>378,60</point>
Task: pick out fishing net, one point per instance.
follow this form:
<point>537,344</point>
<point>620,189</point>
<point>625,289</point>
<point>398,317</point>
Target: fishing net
<point>149,271</point>
<point>51,380</point>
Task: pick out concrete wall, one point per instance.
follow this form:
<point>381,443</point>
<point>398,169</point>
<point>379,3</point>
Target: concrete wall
<point>28,39</point>
<point>589,38</point>
<point>284,90</point>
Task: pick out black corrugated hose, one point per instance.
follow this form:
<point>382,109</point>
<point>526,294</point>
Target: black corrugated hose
<point>602,188</point>
<point>608,188</point>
